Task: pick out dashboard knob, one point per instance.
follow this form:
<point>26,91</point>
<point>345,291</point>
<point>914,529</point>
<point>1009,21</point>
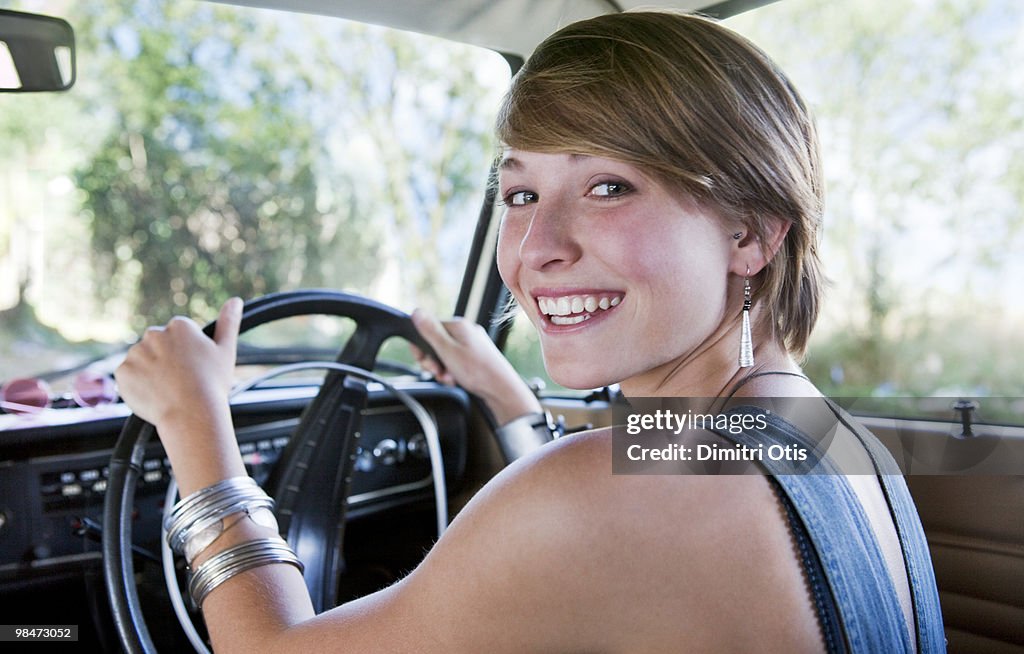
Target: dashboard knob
<point>40,552</point>
<point>417,446</point>
<point>386,452</point>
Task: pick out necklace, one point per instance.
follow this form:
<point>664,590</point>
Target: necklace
<point>763,373</point>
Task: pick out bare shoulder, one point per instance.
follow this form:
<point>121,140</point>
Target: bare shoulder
<point>569,556</point>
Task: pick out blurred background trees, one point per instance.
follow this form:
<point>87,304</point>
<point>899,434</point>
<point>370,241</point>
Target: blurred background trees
<point>209,151</point>
<point>920,121</point>
<point>920,109</point>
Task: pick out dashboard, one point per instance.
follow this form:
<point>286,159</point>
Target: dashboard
<point>53,479</point>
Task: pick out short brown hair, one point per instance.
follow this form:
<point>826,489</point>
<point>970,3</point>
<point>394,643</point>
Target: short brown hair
<point>702,110</point>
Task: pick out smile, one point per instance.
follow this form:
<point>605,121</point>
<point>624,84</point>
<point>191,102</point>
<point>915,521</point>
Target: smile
<point>574,309</point>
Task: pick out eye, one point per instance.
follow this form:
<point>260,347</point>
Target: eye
<point>610,189</point>
<point>520,198</point>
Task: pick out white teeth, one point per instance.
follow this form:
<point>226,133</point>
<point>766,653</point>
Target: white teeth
<point>571,305</point>
<point>569,320</point>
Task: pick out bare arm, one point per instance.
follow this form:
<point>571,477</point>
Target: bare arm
<point>179,380</point>
<point>527,566</point>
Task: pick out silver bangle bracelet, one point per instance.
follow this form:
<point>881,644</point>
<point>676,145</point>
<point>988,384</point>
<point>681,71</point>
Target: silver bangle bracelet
<point>189,507</point>
<point>211,516</point>
<point>207,508</point>
<point>236,560</point>
<point>524,434</point>
<point>188,504</point>
<point>205,533</point>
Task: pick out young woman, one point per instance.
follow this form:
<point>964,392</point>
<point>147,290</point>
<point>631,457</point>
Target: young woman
<point>662,188</point>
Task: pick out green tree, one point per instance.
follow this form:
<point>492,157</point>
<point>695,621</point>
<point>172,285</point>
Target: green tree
<point>920,126</point>
<point>195,195</point>
<point>220,174</point>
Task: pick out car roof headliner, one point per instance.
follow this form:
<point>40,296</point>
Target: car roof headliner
<point>508,26</point>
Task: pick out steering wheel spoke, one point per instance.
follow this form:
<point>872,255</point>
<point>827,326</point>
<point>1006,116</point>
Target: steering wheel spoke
<point>311,482</point>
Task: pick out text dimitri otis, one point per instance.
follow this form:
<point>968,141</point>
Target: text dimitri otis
<point>664,421</point>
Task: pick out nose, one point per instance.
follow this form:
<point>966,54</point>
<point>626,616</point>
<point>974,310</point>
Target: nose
<point>551,240</point>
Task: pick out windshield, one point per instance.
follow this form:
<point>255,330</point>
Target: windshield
<point>210,150</point>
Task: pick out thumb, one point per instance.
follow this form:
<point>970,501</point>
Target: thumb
<point>225,334</point>
<point>431,329</point>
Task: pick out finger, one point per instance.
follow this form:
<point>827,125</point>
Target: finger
<point>225,333</point>
<point>424,360</point>
<point>149,343</point>
<point>459,330</point>
<point>178,323</point>
<point>427,362</point>
<point>432,330</point>
<point>434,368</point>
<point>417,353</point>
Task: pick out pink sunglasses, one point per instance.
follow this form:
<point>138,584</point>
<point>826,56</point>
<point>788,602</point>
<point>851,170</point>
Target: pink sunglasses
<point>31,395</point>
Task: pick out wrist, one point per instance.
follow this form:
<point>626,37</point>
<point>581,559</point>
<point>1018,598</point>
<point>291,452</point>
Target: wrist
<point>520,401</point>
<point>201,447</point>
<point>525,433</point>
<point>190,417</point>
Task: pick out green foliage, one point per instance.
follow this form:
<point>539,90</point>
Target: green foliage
<point>195,196</point>
<point>920,123</point>
<point>210,150</point>
<point>30,346</point>
<point>920,107</point>
<point>229,152</point>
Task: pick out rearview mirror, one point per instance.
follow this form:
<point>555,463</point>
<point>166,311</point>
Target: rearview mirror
<point>37,53</point>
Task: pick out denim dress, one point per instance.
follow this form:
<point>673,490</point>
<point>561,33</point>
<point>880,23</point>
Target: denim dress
<point>856,601</point>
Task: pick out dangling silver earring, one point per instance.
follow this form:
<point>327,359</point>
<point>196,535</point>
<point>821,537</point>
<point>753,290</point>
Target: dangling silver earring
<point>746,340</point>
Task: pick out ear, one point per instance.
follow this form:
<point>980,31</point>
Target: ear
<point>751,252</point>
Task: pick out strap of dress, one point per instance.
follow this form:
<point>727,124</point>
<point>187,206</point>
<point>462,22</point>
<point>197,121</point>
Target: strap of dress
<point>920,573</point>
<point>837,527</point>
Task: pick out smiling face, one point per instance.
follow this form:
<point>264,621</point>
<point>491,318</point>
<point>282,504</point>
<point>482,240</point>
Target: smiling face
<point>625,281</point>
<point>707,113</point>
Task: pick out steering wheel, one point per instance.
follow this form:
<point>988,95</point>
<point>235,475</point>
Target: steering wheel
<point>315,466</point>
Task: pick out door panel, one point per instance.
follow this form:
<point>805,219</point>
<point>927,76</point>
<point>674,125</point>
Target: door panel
<point>974,522</point>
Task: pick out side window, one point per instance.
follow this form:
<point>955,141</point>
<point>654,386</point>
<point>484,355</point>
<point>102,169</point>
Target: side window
<point>921,117</point>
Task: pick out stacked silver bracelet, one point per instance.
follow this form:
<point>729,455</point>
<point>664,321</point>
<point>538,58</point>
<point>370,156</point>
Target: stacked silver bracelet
<point>224,565</point>
<point>199,519</point>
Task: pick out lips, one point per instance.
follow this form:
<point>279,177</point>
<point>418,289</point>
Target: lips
<point>576,308</point>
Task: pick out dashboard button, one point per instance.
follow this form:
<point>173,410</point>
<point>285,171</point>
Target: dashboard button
<point>386,452</point>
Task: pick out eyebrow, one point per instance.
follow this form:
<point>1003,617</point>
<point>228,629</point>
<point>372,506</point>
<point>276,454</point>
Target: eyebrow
<point>511,163</point>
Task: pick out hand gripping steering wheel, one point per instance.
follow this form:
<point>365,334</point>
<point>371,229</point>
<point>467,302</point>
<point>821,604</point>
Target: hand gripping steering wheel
<point>315,466</point>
